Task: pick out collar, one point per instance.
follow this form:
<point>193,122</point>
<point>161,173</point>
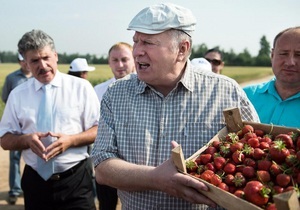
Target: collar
<point>187,80</point>
<point>56,81</point>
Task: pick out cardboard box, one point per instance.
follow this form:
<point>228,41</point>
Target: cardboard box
<point>221,197</point>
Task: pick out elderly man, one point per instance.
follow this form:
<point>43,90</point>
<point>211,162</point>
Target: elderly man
<point>168,99</point>
<point>53,126</point>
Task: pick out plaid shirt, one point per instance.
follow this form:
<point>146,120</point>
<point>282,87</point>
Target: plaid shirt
<point>138,123</point>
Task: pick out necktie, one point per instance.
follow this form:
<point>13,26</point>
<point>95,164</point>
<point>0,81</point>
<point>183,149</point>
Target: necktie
<point>44,124</point>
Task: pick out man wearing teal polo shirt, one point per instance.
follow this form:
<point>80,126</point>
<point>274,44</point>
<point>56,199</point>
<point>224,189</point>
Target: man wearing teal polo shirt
<point>277,101</point>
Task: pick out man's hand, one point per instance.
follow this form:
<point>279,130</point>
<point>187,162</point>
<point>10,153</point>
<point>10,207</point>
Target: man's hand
<point>179,185</point>
<point>61,144</point>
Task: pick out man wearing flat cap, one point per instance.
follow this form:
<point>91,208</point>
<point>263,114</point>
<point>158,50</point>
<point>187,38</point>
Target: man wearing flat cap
<point>168,102</point>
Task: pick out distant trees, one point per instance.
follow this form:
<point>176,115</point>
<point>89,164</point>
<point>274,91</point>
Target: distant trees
<point>231,58</point>
<point>241,59</point>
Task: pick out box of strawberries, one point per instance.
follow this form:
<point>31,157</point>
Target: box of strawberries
<point>253,165</point>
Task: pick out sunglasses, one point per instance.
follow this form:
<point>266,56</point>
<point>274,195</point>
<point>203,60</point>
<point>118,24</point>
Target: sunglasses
<point>214,61</point>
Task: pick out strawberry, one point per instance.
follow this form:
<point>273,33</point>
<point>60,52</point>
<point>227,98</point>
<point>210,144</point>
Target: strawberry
<point>191,166</point>
<point>210,166</point>
<point>223,186</point>
<point>206,175</point>
<point>248,172</point>
<point>258,154</point>
<point>229,168</point>
<point>263,176</point>
<point>253,142</point>
<point>275,169</point>
<point>215,179</point>
<point>210,150</point>
<point>239,180</point>
<point>283,180</point>
<point>278,152</point>
<point>264,164</point>
<point>247,129</point>
<point>219,162</point>
<point>238,157</point>
<point>205,158</point>
<point>259,132</point>
<point>239,193</point>
<point>229,179</point>
<point>256,193</point>
<point>287,139</point>
<point>250,162</point>
<point>236,146</point>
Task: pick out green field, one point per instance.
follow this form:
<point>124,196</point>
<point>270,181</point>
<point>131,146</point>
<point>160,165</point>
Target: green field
<point>103,73</point>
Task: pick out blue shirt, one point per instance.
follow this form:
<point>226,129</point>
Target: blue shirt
<point>137,124</point>
<point>11,81</point>
<point>271,108</point>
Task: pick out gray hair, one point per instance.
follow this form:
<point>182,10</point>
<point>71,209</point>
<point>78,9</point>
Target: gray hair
<point>35,40</point>
<point>178,36</point>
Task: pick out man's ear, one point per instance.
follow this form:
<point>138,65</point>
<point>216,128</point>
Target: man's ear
<point>184,50</point>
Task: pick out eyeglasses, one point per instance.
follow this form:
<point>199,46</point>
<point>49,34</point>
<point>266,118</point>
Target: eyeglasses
<point>214,61</point>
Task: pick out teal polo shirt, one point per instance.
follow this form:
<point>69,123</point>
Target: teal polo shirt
<point>271,108</point>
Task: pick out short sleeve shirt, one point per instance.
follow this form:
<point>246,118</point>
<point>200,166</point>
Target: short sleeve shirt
<point>137,124</point>
<point>271,108</point>
<point>75,109</point>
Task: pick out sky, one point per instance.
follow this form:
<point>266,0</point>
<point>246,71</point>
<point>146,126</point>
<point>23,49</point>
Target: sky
<point>92,26</point>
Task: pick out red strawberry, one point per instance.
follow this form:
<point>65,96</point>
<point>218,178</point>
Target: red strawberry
<point>287,139</point>
<point>239,180</point>
<point>278,152</point>
<point>263,176</point>
<point>253,142</point>
<point>223,186</point>
<point>275,169</point>
<point>238,157</point>
<point>250,162</point>
<point>264,164</point>
<point>229,168</point>
<point>216,179</point>
<point>191,166</point>
<point>247,129</point>
<point>219,162</point>
<point>259,132</point>
<point>206,175</point>
<point>210,150</point>
<point>248,172</point>
<point>229,179</point>
<point>258,154</point>
<point>283,180</point>
<point>205,158</point>
<point>256,193</point>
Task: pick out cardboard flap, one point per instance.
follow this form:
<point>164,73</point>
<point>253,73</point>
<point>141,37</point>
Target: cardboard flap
<point>287,200</point>
<point>178,159</point>
<point>233,119</point>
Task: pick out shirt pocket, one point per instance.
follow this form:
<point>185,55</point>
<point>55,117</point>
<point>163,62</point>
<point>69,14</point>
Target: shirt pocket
<point>135,142</point>
<point>68,120</point>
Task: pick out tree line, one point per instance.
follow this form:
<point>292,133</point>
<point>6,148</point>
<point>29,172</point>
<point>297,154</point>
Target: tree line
<point>230,58</point>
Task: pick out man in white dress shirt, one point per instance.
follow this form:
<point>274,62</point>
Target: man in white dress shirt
<point>121,62</point>
<point>75,114</point>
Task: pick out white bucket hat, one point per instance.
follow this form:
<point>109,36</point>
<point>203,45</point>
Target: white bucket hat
<point>80,64</point>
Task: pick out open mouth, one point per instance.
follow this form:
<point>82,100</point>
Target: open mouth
<point>143,66</point>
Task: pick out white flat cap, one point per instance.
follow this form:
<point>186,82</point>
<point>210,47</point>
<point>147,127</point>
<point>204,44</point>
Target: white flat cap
<point>161,17</point>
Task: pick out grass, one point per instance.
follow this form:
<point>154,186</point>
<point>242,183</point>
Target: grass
<point>103,73</point>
